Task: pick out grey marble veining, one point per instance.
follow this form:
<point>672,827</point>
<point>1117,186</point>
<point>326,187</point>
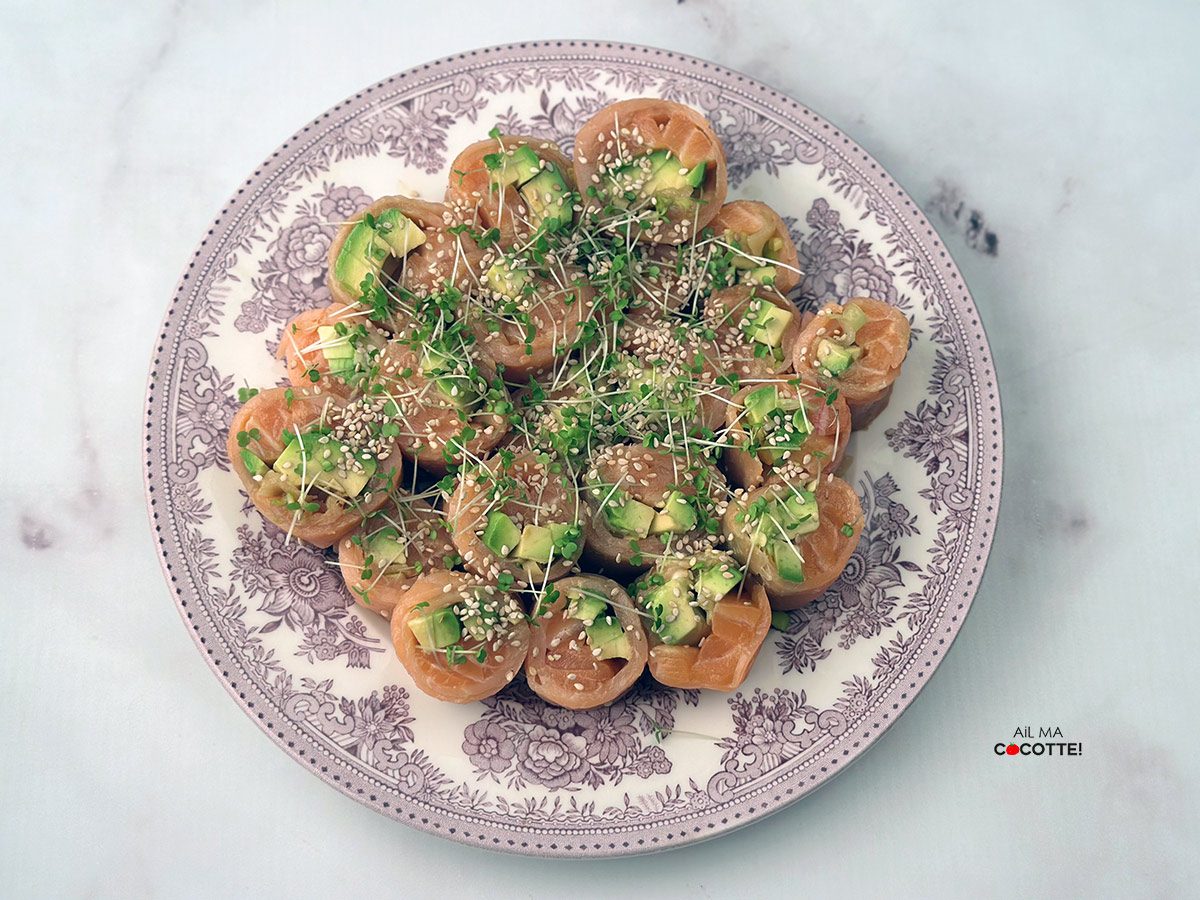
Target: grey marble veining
<point>1055,148</point>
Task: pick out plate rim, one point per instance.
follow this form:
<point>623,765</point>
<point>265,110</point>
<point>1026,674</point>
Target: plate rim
<point>488,834</point>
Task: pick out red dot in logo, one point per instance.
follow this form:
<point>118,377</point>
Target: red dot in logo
<point>1012,749</point>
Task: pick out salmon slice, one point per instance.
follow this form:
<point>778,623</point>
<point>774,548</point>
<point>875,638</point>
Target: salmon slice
<point>526,490</point>
<point>434,432</point>
<point>470,679</point>
<point>258,428</point>
<point>477,200</point>
<point>733,348</point>
<point>867,383</point>
<point>444,257</point>
<point>628,129</point>
<point>824,552</point>
<point>648,476</point>
<point>527,335</point>
<point>749,466</point>
<point>739,622</point>
<point>563,668</point>
<point>755,228</point>
<point>302,348</point>
<point>421,529</point>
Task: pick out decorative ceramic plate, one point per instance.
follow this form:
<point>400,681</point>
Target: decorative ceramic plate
<point>660,767</point>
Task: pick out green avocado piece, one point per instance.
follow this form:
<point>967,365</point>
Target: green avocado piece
<point>536,544</point>
<point>787,561</point>
<point>834,358</point>
<point>799,513</point>
<point>696,177</point>
<point>388,553</point>
<point>317,460</point>
<point>666,177</point>
<point>629,517</point>
<point>547,198</point>
<point>456,387</point>
<point>772,322</point>
<point>586,607</point>
<point>714,583</point>
<point>505,280</point>
<point>436,630</point>
<point>398,232</point>
<point>764,275</point>
<point>853,318</point>
<point>501,533</point>
<point>677,516</point>
<point>561,533</point>
<point>362,254</point>
<point>760,402</point>
<point>513,167</point>
<point>607,635</point>
<point>676,620</point>
<point>253,464</point>
<point>337,350</point>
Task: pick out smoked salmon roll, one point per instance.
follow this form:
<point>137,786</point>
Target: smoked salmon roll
<point>444,399</point>
<point>784,429</point>
<point>796,539</point>
<point>515,185</point>
<point>393,547</point>
<point>750,331</point>
<point>763,250</point>
<point>860,346</point>
<point>644,503</point>
<point>657,160</point>
<point>334,346</point>
<point>707,621</point>
<point>561,415</point>
<point>528,316</point>
<point>588,645</point>
<point>516,515</point>
<point>397,247</point>
<point>313,464</point>
<point>459,638</point>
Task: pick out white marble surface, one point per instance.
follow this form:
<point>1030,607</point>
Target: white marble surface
<point>1074,131</point>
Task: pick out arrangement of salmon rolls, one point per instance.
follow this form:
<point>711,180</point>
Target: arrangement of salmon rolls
<point>784,429</point>
<point>460,638</point>
<point>643,503</point>
<point>335,347</point>
<point>400,246</point>
<point>516,419</point>
<point>764,253</point>
<point>393,547</point>
<point>707,621</point>
<point>860,346</point>
<point>796,539</point>
<point>750,332</point>
<point>517,515</point>
<point>588,645</point>
<point>516,185</point>
<point>658,160</point>
<point>313,464</point>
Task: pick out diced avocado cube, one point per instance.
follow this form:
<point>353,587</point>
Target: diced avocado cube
<point>800,514</point>
<point>253,464</point>
<point>834,358</point>
<point>607,634</point>
<point>787,561</point>
<point>515,167</point>
<point>677,516</point>
<point>337,350</point>
<point>436,630</point>
<point>769,324</point>
<point>675,619</point>
<point>458,390</point>
<point>852,318</point>
<point>761,275</point>
<point>714,583</point>
<point>505,280</point>
<point>586,607</point>
<point>760,402</point>
<point>547,199</point>
<point>435,362</point>
<point>561,532</point>
<point>696,177</point>
<point>536,544</point>
<point>316,460</point>
<point>362,254</point>
<point>501,533</point>
<point>666,176</point>
<point>398,232</point>
<point>630,517</point>
<point>387,551</point>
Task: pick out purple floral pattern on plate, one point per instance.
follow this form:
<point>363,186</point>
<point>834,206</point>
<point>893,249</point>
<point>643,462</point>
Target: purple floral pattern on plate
<point>660,767</point>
